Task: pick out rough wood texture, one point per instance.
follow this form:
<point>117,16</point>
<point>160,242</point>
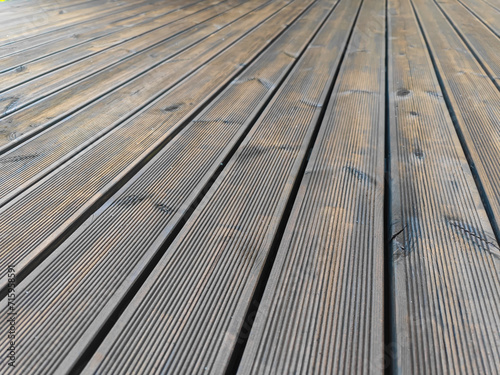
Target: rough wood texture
<point>158,198</point>
<point>265,186</point>
<point>473,97</point>
<point>111,157</point>
<point>322,311</point>
<point>205,286</point>
<point>446,259</point>
<point>20,125</point>
<point>485,12</point>
<point>171,62</point>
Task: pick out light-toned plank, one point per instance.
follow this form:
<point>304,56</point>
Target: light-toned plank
<point>74,45</point>
<point>478,38</point>
<point>489,15</point>
<point>41,23</point>
<point>31,14</point>
<point>51,43</point>
<point>495,4</point>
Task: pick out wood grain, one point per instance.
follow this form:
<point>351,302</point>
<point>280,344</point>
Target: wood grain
<point>267,186</point>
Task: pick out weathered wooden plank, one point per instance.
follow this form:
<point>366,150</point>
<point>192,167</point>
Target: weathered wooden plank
<point>51,43</point>
<point>18,11</point>
<point>141,72</point>
<point>31,63</point>
<point>29,162</point>
<point>473,98</point>
<point>52,207</point>
<point>170,184</point>
<point>194,302</point>
<point>112,67</point>
<point>479,39</point>
<point>322,309</point>
<point>495,4</point>
<point>446,259</point>
<point>32,16</point>
<point>42,24</point>
<point>11,9</point>
<point>489,15</point>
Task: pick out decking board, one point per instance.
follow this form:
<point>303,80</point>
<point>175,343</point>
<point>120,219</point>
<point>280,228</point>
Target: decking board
<point>473,99</point>
<point>72,192</point>
<point>228,119</point>
<point>265,186</point>
<point>62,101</point>
<point>446,258</point>
<point>481,41</point>
<point>206,285</point>
<point>85,33</point>
<point>486,13</point>
<point>179,57</point>
<point>41,24</point>
<point>115,28</point>
<point>322,309</point>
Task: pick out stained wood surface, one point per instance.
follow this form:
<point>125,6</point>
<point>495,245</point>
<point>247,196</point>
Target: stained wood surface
<point>265,187</point>
<point>321,311</point>
<point>487,13</point>
<point>120,152</point>
<point>445,256</point>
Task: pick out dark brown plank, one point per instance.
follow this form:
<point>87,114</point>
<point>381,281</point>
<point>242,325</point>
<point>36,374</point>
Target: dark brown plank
<point>445,256</point>
<point>195,300</point>
<point>322,310</point>
<point>226,119</point>
<point>57,203</point>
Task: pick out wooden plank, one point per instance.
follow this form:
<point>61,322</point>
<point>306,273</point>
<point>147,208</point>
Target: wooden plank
<point>322,309</point>
<point>30,15</point>
<point>169,178</point>
<point>487,14</point>
<point>193,304</point>
<point>495,4</point>
<point>136,70</point>
<point>52,208</point>
<point>473,98</point>
<point>148,49</point>
<point>51,43</point>
<point>19,10</point>
<point>446,259</point>
<point>92,39</point>
<point>69,137</point>
<point>43,20</point>
<point>42,25</point>
<point>480,40</point>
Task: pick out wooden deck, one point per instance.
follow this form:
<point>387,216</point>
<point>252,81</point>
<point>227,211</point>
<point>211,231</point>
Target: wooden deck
<point>251,187</point>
